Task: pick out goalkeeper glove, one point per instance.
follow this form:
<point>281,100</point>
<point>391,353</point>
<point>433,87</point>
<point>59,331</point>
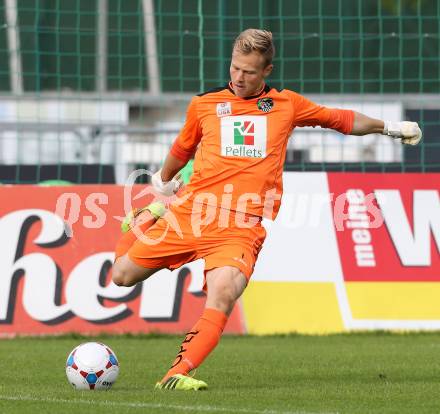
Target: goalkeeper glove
<point>167,188</point>
<point>410,132</point>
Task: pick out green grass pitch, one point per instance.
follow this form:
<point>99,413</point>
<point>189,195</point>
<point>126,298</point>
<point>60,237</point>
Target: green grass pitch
<point>352,373</point>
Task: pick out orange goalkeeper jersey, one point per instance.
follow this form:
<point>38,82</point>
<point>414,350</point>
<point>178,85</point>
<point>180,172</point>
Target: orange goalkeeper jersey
<point>240,145</point>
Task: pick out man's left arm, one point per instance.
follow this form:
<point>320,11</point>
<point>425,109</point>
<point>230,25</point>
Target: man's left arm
<point>409,132</point>
<point>348,122</point>
<point>363,125</point>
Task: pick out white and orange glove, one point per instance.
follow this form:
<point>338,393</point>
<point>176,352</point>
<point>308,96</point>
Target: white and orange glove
<point>410,132</point>
<point>167,188</point>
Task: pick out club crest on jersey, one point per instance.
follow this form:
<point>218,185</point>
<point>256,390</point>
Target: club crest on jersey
<point>244,136</point>
<point>224,109</point>
<point>265,104</point>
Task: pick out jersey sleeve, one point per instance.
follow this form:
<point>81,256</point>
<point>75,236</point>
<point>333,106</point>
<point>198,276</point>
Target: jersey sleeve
<point>189,136</point>
<point>308,113</point>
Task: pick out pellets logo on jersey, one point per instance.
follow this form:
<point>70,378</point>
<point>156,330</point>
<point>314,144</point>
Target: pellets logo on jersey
<point>265,104</point>
<point>244,136</point>
<point>244,133</point>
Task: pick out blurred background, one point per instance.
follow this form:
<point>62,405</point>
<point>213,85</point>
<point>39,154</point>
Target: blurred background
<point>92,89</point>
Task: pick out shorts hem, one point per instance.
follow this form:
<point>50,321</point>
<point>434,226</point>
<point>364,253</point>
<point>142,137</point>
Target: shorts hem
<point>147,263</point>
<point>220,263</point>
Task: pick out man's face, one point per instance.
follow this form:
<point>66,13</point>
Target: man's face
<point>248,73</point>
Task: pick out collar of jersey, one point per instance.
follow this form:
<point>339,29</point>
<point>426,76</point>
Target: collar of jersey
<point>266,88</point>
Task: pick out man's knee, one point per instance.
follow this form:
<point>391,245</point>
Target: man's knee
<point>225,286</point>
<point>222,299</point>
<point>126,273</point>
<point>225,293</point>
<point>121,277</point>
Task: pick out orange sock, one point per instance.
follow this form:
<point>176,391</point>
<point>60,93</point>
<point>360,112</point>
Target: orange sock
<point>199,342</point>
<point>128,238</point>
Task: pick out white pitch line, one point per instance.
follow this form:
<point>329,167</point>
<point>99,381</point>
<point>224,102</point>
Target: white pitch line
<point>203,408</point>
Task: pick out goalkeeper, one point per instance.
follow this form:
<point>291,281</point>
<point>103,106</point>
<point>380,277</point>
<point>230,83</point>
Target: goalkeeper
<point>238,136</point>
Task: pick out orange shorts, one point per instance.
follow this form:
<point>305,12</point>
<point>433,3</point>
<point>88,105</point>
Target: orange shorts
<point>182,236</point>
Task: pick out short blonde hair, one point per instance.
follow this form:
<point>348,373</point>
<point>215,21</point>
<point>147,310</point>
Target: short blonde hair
<point>256,40</point>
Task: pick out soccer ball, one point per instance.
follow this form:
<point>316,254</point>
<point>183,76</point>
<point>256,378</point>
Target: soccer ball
<point>92,366</point>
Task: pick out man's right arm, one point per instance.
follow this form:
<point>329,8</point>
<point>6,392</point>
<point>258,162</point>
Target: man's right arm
<point>181,152</point>
<point>171,167</point>
<point>185,145</point>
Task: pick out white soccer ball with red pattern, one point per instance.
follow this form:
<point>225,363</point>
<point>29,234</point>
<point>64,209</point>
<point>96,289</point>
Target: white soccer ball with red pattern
<point>92,366</point>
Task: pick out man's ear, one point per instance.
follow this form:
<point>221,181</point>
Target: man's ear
<point>267,70</point>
